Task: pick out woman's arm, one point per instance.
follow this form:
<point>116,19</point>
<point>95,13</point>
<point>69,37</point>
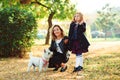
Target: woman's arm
<point>51,46</point>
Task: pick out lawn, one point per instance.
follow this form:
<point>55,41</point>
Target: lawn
<point>102,62</point>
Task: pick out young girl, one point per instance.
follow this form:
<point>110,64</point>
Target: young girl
<point>59,46</point>
<point>78,43</point>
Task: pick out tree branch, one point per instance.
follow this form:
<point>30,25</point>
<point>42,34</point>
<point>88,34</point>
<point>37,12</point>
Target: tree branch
<point>37,2</point>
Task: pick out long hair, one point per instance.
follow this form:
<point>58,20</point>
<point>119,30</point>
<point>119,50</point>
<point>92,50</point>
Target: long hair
<point>81,17</point>
<point>53,35</point>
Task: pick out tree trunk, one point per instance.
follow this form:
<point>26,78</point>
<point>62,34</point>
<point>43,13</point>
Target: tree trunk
<point>105,33</point>
<point>49,26</point>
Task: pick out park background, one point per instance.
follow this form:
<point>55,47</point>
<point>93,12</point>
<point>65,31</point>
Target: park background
<point>34,22</point>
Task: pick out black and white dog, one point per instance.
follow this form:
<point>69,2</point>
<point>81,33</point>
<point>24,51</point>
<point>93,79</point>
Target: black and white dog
<point>41,62</point>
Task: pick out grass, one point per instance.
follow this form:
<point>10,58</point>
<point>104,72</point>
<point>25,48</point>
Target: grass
<point>104,40</point>
<point>42,41</point>
<point>105,67</point>
<point>99,64</point>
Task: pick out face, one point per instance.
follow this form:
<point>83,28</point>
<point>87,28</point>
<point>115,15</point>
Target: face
<point>47,53</point>
<point>77,18</point>
<point>57,31</point>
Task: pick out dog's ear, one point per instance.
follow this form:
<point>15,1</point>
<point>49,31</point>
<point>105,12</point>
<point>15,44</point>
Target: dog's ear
<point>44,50</point>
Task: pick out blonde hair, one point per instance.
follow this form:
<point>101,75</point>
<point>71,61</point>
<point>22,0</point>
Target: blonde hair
<point>53,35</point>
<point>81,17</point>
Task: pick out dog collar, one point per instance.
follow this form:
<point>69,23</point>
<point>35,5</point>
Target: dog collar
<point>45,62</point>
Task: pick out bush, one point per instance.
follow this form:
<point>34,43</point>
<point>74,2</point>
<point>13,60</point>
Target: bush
<point>17,31</point>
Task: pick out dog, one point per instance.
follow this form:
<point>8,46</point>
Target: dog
<point>41,62</point>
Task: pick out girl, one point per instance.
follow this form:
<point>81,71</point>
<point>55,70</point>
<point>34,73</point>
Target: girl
<point>78,43</point>
<point>59,46</point>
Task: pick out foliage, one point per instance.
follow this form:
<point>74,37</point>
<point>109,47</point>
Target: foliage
<point>17,31</point>
<point>8,3</point>
<point>62,8</point>
<point>53,9</point>
<point>50,9</point>
<point>108,19</point>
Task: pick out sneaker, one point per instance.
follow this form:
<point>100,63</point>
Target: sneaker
<point>76,69</point>
<point>80,68</point>
<point>63,69</point>
<point>56,69</point>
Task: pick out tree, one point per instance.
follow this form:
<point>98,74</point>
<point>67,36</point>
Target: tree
<point>50,9</point>
<point>17,31</point>
<point>106,19</point>
<point>60,9</point>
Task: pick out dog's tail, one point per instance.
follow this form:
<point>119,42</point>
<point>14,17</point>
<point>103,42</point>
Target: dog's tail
<point>30,55</point>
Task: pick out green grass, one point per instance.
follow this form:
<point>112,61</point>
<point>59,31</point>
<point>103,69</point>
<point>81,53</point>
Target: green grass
<point>103,39</point>
<point>42,41</point>
<point>101,64</point>
<point>106,67</point>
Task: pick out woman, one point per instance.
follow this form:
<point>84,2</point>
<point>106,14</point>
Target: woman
<point>59,46</point>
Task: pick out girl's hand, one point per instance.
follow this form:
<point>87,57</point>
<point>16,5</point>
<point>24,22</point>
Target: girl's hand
<point>81,22</point>
<point>66,41</point>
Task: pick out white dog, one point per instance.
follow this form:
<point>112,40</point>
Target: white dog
<point>41,62</point>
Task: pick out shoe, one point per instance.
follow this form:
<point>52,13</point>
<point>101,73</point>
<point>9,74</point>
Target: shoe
<point>63,69</point>
<point>56,69</point>
<point>76,69</point>
<point>80,68</point>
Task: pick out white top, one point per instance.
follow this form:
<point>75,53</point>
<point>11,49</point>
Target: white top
<point>58,47</point>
